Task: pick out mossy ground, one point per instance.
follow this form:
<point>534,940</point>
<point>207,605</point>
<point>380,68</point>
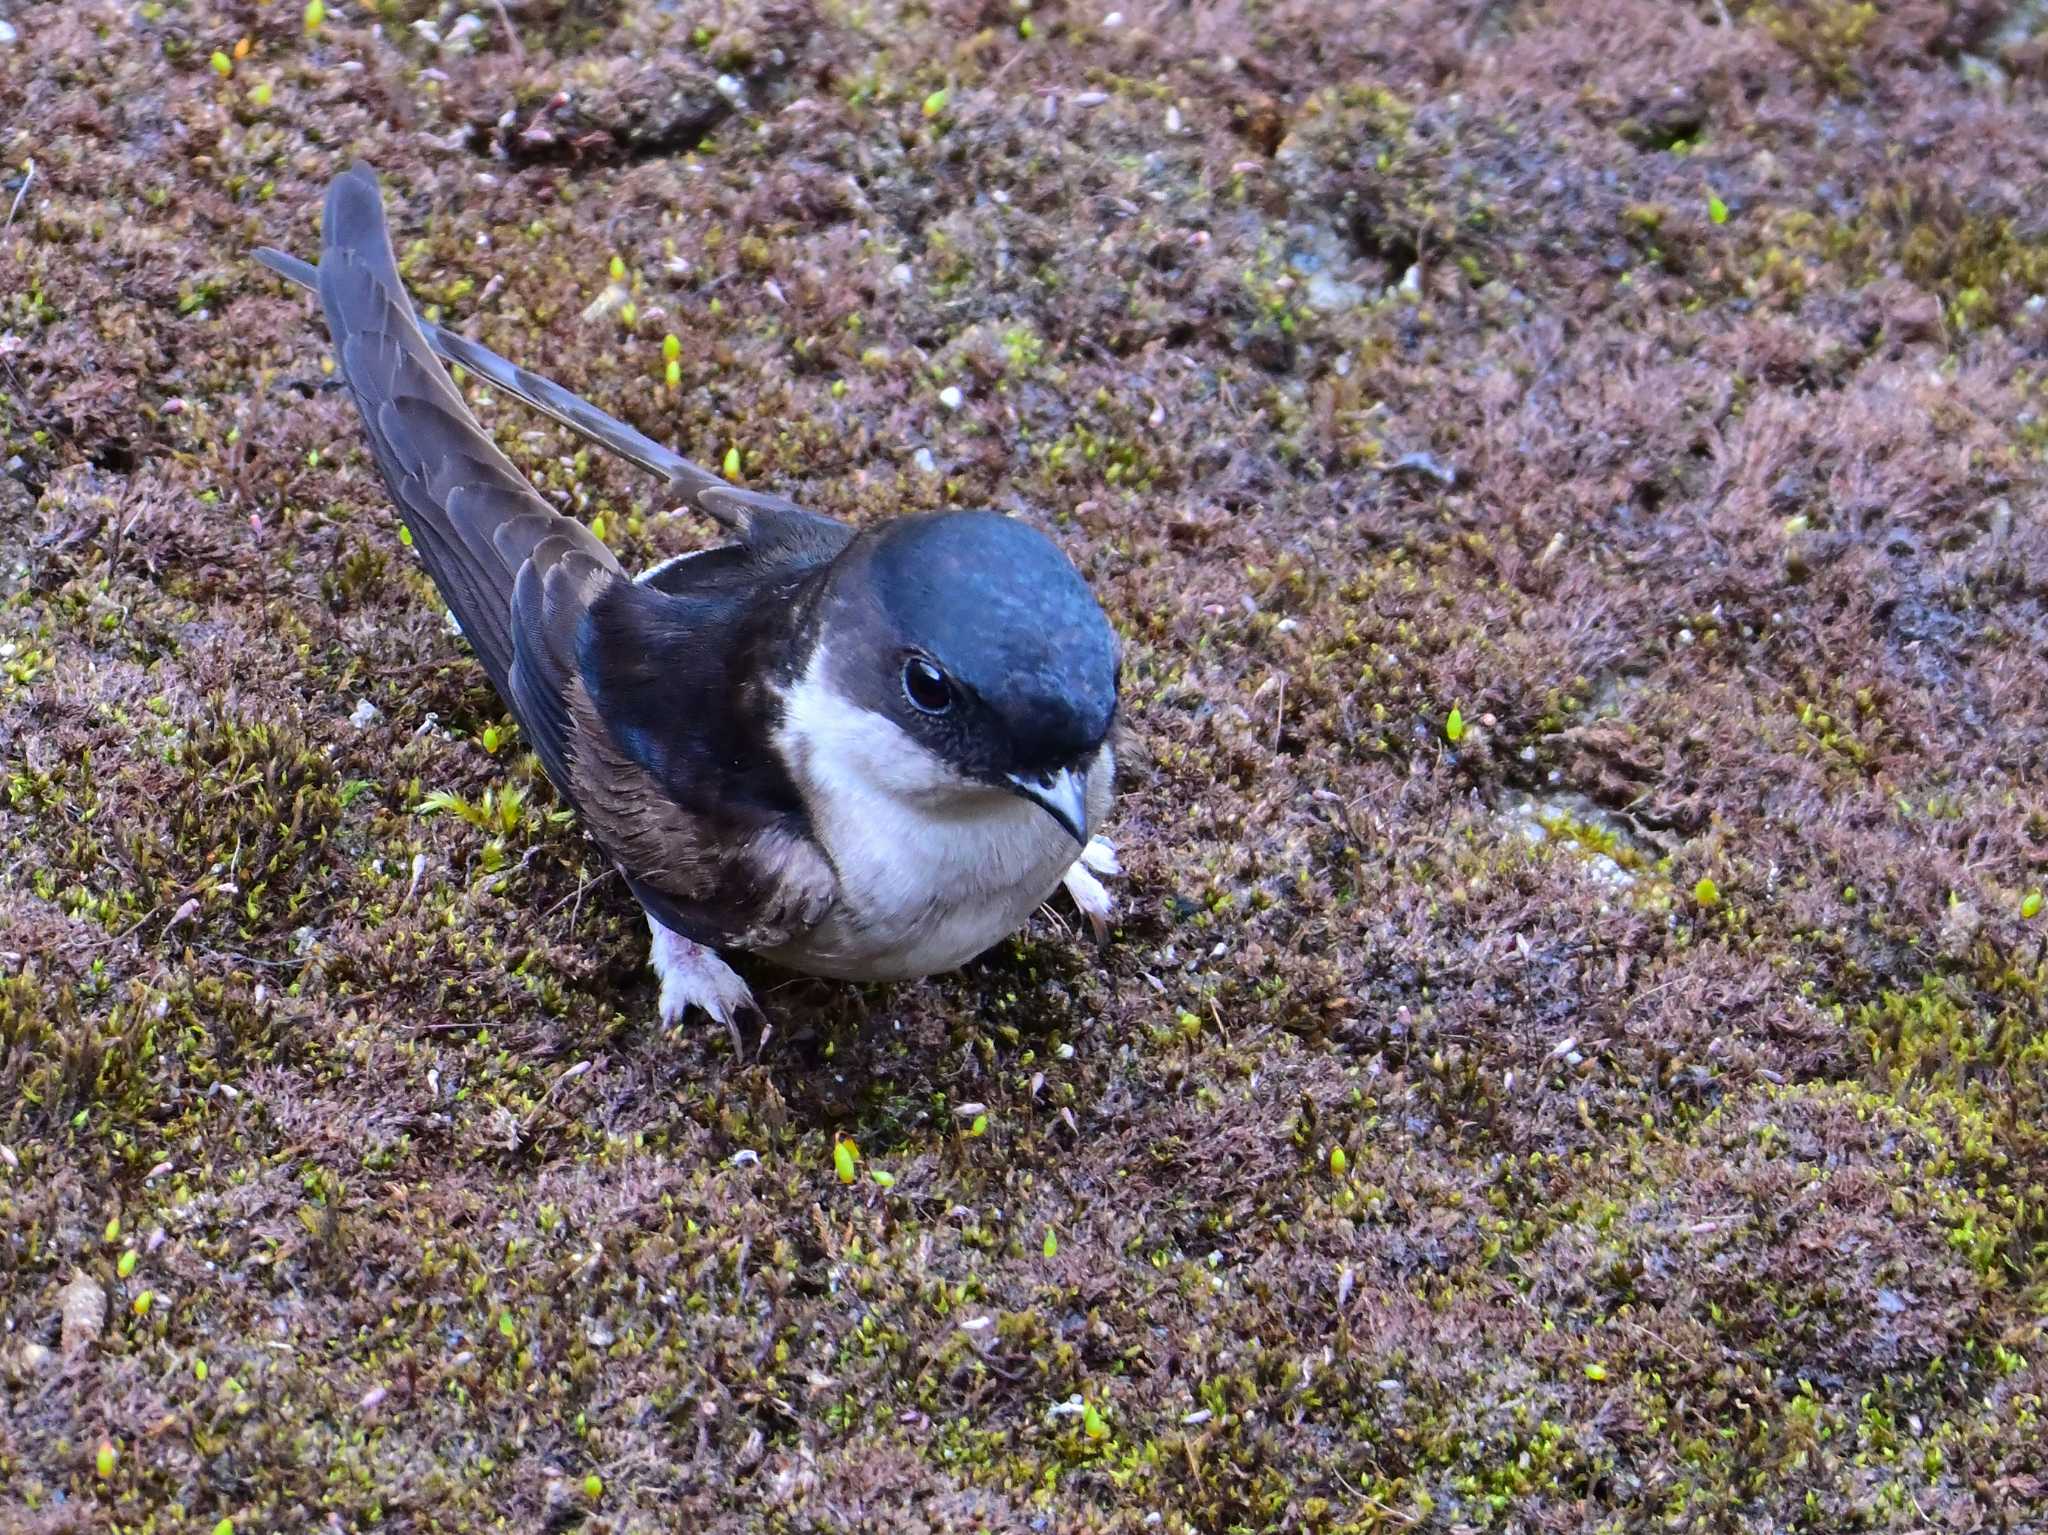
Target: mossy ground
<point>1631,1114</point>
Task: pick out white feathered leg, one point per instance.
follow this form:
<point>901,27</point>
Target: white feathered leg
<point>694,976</point>
<point>1089,893</point>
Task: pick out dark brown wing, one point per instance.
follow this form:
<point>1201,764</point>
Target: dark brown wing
<point>713,859</point>
<point>474,518</point>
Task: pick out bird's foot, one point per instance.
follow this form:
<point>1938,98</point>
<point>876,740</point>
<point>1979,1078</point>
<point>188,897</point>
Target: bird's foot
<point>694,976</point>
<point>1089,893</point>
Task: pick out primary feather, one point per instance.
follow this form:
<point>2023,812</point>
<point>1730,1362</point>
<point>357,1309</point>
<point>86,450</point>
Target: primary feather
<point>760,519</point>
<point>474,518</point>
<point>599,670</point>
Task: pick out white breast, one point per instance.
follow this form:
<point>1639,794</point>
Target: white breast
<point>932,871</point>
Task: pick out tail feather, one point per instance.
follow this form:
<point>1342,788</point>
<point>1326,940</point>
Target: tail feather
<point>687,479</point>
<point>762,521</point>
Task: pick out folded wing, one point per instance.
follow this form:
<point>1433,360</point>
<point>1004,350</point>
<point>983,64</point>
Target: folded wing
<point>522,580</point>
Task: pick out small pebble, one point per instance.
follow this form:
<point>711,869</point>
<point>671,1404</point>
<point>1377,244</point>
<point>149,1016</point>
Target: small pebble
<point>366,714</point>
<point>33,1358</point>
<point>82,1311</point>
<point>924,461</point>
<point>950,397</point>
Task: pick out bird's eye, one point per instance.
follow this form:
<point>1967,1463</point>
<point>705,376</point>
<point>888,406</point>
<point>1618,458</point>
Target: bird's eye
<point>926,686</point>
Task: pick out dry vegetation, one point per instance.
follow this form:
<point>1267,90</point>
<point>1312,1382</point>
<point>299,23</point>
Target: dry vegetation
<point>1623,1105</point>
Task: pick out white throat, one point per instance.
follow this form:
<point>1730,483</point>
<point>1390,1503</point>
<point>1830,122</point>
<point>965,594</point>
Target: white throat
<point>933,869</point>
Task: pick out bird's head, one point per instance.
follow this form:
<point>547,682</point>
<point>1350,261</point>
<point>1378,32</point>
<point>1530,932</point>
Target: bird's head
<point>966,654</point>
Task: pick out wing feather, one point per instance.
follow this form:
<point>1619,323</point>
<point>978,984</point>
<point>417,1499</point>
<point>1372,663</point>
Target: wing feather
<point>522,581</point>
<point>473,516</point>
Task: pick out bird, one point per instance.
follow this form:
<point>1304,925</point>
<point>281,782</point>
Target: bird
<point>863,754</point>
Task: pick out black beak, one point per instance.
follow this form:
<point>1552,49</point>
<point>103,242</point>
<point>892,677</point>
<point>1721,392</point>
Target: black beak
<point>1062,795</point>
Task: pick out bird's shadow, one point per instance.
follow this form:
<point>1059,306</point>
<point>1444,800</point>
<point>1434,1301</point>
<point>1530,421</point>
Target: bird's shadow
<point>834,1049</point>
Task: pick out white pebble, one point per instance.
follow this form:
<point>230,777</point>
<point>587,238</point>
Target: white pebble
<point>950,397</point>
<point>925,462</point>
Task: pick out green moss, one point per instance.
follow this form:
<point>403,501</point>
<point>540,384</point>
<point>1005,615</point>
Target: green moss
<point>1829,36</point>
